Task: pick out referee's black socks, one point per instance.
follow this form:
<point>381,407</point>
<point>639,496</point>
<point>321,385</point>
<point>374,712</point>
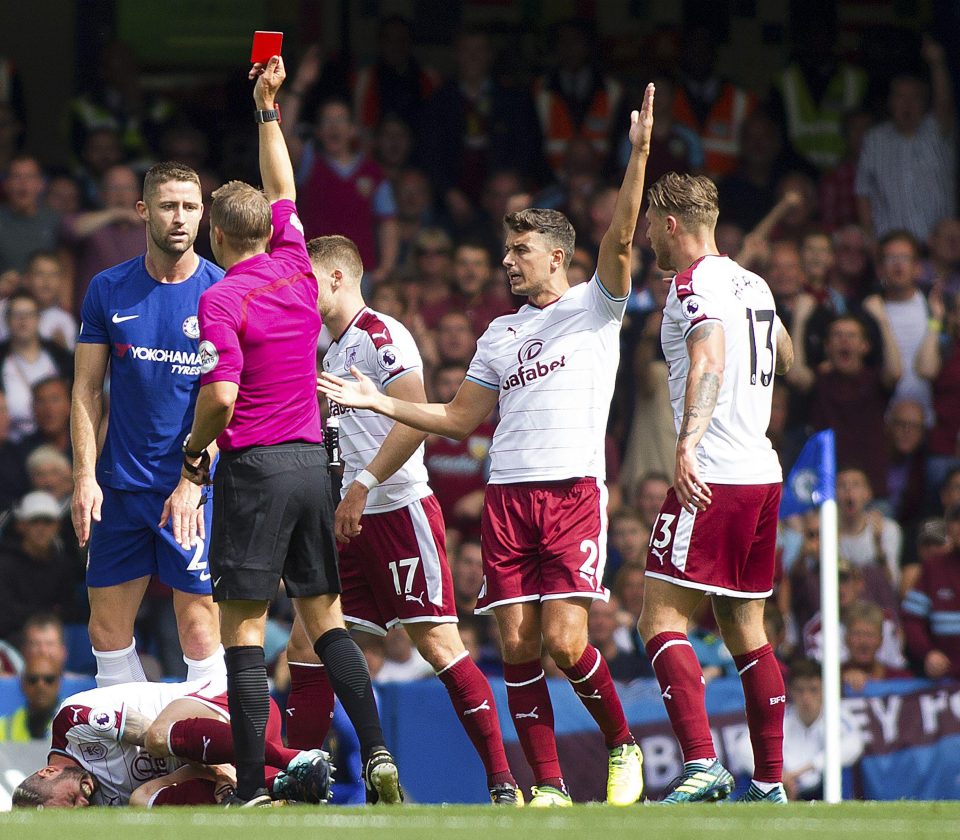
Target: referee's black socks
<point>248,696</point>
<point>350,678</point>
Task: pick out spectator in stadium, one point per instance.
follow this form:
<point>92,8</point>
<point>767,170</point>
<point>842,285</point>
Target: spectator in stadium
<point>415,211</point>
<point>648,496</point>
<point>102,149</point>
<point>343,190</point>
<point>941,269</point>
<point>907,170</point>
<point>472,290</point>
<point>49,470</point>
<point>62,194</point>
<point>11,124</point>
<point>575,98</point>
<point>863,623</point>
<point>25,359</point>
<point>837,190</point>
<point>850,396</point>
<point>854,266</point>
<point>45,279</point>
<point>431,274</point>
<point>713,107</point>
<point>26,225</point>
<point>402,661</point>
<point>12,461</point>
<point>51,410</point>
<point>395,83</point>
<point>817,88</point>
<point>467,570</point>
<point>127,504</point>
<point>803,734</point>
<point>269,435</point>
<point>42,635</point>
<point>929,610</point>
<point>817,260</point>
<point>603,626</point>
<point>473,126</point>
<point>626,541</point>
<point>105,236</point>
<point>535,607</point>
<point>393,147</point>
<point>40,684</point>
<point>39,574</point>
<point>903,499</point>
<point>938,361</point>
<point>949,490</point>
<point>455,340</point>
<point>458,469</point>
<point>867,537</point>
<point>905,307</point>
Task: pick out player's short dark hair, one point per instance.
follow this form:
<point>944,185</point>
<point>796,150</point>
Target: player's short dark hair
<point>552,225</point>
<point>805,669</point>
<point>32,792</point>
<point>336,251</point>
<point>900,236</point>
<point>166,171</point>
<point>690,198</point>
<point>853,319</point>
<point>243,214</point>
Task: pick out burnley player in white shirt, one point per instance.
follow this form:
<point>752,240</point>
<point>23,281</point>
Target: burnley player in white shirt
<point>551,368</point>
<point>716,531</point>
<point>389,527</point>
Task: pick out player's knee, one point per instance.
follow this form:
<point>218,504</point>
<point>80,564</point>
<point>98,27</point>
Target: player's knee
<point>108,634</point>
<point>564,648</point>
<point>440,645</point>
<point>155,741</point>
<point>517,649</point>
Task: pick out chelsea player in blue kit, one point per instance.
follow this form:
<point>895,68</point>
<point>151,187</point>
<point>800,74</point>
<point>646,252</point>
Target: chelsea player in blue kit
<point>139,517</point>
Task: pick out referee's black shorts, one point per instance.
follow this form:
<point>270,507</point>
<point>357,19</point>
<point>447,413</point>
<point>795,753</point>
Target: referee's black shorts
<point>272,518</point>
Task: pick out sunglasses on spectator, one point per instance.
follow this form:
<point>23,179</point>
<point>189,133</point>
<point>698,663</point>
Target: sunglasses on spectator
<point>47,679</point>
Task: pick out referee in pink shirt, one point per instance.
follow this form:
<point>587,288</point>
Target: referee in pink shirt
<point>273,512</point>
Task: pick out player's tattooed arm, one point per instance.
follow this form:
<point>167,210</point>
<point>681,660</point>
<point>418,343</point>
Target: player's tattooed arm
<point>135,726</point>
<point>706,348</point>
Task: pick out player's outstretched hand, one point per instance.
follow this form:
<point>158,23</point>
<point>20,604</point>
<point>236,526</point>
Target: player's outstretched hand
<point>346,521</point>
<point>641,122</point>
<point>692,493</point>
<point>269,78</point>
<point>85,507</point>
<point>359,394</point>
<point>185,514</point>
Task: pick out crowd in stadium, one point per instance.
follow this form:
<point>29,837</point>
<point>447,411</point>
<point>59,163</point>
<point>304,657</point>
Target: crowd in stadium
<point>839,189</point>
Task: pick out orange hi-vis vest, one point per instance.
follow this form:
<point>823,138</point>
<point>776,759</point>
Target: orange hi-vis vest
<point>366,95</point>
<point>558,126</point>
<point>720,133</point>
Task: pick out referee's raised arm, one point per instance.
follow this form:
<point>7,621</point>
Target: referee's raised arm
<point>276,170</point>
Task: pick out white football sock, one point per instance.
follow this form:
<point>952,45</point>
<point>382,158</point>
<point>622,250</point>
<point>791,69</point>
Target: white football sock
<point>119,666</point>
<point>206,669</point>
<point>764,787</point>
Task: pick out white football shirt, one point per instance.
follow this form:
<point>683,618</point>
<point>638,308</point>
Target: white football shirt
<point>735,448</point>
<point>383,349</point>
<point>87,728</point>
<point>554,369</point>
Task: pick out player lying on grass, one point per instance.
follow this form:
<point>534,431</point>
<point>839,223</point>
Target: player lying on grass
<point>160,744</point>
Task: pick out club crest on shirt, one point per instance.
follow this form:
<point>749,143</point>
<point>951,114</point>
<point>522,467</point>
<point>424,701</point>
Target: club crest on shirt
<point>388,357</point>
<point>93,751</point>
<point>209,356</point>
<point>191,327</point>
<point>350,357</point>
<point>102,719</point>
<point>692,308</point>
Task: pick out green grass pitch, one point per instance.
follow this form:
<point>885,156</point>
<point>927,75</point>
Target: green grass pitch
<point>852,821</point>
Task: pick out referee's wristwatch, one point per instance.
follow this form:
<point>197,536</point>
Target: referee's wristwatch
<point>268,115</point>
<point>192,454</point>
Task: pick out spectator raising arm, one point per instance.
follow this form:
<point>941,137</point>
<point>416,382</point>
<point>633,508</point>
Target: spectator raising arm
<point>892,366</point>
<point>942,88</point>
<point>308,73</point>
<point>929,359</point>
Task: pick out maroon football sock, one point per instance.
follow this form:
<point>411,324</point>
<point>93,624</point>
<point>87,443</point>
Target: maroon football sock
<point>309,706</point>
<point>210,741</point>
<point>473,700</point>
<point>532,714</point>
<point>766,700</point>
<point>592,682</point>
<point>190,792</point>
<point>683,690</point>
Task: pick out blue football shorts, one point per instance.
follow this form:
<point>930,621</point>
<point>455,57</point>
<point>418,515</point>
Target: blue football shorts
<point>127,544</point>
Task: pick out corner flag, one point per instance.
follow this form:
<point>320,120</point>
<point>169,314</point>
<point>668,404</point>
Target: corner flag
<point>813,479</point>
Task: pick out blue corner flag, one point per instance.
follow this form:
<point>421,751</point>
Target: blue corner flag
<point>812,481</point>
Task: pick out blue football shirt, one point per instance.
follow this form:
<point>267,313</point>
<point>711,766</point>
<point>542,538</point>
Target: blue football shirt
<point>153,335</point>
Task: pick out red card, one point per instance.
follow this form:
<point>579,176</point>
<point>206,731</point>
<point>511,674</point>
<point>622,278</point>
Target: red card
<point>265,46</point>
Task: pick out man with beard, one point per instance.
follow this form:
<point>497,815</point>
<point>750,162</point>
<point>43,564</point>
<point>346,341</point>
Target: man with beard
<point>141,315</point>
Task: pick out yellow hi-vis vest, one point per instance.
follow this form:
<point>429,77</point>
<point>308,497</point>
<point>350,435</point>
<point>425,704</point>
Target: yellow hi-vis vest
<point>816,132</point>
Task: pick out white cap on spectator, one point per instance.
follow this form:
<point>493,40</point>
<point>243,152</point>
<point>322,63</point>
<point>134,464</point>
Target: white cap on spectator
<point>38,505</point>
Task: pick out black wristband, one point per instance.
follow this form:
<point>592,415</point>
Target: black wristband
<point>265,116</point>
